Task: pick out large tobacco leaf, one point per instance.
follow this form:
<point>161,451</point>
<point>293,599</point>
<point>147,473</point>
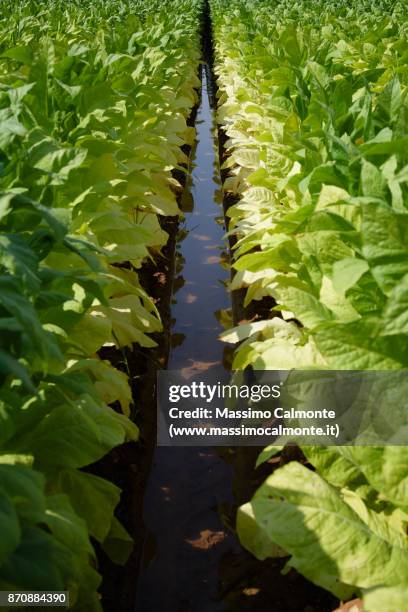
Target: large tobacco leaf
<point>333,538</point>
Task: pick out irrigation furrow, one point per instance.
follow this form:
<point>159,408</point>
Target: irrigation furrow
<point>188,485</point>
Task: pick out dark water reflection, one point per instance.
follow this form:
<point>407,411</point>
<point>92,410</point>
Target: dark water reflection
<point>203,291</point>
<point>187,486</point>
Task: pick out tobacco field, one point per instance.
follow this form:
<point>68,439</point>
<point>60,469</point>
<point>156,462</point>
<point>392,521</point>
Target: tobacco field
<point>97,112</point>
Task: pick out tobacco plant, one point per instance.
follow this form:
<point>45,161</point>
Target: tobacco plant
<point>313,100</point>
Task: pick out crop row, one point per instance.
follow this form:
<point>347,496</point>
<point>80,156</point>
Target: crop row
<point>94,100</point>
<point>313,100</point>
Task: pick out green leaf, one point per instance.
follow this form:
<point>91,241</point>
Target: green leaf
<point>356,346</point>
<point>307,307</point>
<point>385,469</point>
<point>247,330</point>
<point>372,180</point>
<point>110,383</point>
<point>347,272</point>
<point>386,599</point>
<point>20,53</point>
<point>93,499</point>
<point>24,488</point>
<point>9,365</point>
<point>94,430</point>
<point>36,563</point>
<point>333,464</point>
<point>267,453</point>
<point>330,544</point>
<point>118,544</point>
<point>385,244</point>
<point>395,315</point>
<point>66,525</point>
